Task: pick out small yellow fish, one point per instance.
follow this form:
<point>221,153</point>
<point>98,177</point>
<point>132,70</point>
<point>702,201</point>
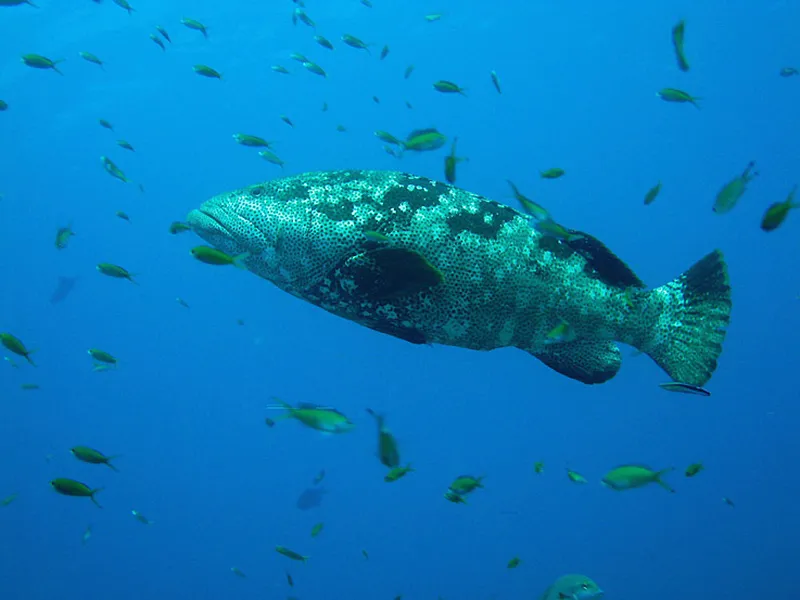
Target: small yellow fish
<point>207,71</point>
<point>317,529</point>
<point>70,487</point>
<point>63,236</point>
<point>561,334</point>
<point>41,62</point>
<point>694,469</point>
<point>576,477</point>
<point>496,82</point>
<point>397,473</point>
<point>673,95</point>
<point>777,212</point>
<point>678,34</point>
<point>196,25</point>
<point>651,194</point>
<point>212,256</point>
<point>178,227</point>
<point>15,345</point>
<point>731,192</point>
<point>553,173</point>
<point>448,87</point>
<point>9,499</point>
<point>514,563</point>
<point>450,162</point>
<point>628,477</point>
<point>115,271</point>
<point>291,554</point>
<point>538,467</point>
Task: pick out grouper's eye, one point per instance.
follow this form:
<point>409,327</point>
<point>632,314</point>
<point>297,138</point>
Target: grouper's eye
<point>585,586</point>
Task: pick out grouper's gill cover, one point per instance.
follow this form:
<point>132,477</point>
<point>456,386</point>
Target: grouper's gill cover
<point>431,263</point>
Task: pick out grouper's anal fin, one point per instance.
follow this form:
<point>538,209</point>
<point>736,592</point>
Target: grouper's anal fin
<point>588,361</point>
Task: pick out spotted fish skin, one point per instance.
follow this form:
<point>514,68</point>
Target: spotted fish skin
<point>504,283</point>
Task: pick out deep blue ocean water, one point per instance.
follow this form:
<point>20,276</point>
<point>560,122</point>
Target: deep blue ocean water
<point>186,407</point>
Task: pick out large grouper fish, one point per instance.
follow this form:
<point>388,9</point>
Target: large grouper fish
<point>427,262</point>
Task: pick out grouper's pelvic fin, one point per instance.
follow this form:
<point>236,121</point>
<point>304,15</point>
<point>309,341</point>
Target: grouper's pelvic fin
<point>689,316</point>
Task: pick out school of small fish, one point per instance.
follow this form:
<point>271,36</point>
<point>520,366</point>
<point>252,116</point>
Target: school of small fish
<point>326,419</point>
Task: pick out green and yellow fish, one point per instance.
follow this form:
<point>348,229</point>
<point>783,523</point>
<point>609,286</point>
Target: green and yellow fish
<point>651,194</point>
<point>196,25</point>
<point>291,554</point>
<point>553,173</point>
<point>448,87</point>
<point>694,469</point>
<point>324,419</point>
<point>212,256</point>
<point>63,235</point>
<point>678,34</point>
<point>388,452</point>
<point>177,227</point>
<point>731,192</point>
<point>38,61</point>
<point>777,212</point>
<point>70,487</point>
<point>679,96</point>
<point>466,484</point>
<point>207,71</point>
<point>93,457</point>
<point>576,477</point>
<point>397,473</point>
<point>15,345</point>
<point>628,477</point>
<point>115,271</point>
<point>450,163</point>
<point>89,57</point>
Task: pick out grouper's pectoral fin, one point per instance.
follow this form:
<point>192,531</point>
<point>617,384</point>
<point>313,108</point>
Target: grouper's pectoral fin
<point>387,273</point>
<point>588,361</point>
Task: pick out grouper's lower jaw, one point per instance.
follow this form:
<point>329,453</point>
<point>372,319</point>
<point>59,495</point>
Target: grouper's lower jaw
<point>211,229</point>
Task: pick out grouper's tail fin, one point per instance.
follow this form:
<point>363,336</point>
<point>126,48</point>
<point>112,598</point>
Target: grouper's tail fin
<point>689,325</point>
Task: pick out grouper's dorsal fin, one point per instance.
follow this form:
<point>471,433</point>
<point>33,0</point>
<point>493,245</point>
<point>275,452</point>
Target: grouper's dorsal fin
<point>387,273</point>
<point>588,361</point>
<point>607,266</point>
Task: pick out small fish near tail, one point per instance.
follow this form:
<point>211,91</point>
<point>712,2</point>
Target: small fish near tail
<point>681,325</point>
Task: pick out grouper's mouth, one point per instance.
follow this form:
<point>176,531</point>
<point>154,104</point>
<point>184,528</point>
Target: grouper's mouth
<point>209,224</point>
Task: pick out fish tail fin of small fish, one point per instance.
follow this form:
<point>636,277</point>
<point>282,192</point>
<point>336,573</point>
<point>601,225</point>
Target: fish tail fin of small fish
<point>690,317</point>
<point>663,483</point>
<point>109,465</point>
<point>282,404</point>
<point>92,494</point>
<point>32,4</point>
<point>28,357</point>
<point>238,260</point>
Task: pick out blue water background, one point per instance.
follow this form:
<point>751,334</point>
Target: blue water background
<point>186,407</point>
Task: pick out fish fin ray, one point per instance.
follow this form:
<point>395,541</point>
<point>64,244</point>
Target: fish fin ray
<point>693,312</point>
